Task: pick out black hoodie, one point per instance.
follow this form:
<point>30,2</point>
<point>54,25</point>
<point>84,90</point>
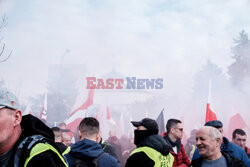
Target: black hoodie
<point>33,126</point>
<point>150,139</point>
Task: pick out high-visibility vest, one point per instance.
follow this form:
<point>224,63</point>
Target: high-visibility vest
<point>159,159</point>
<point>42,147</point>
<point>66,151</point>
<point>35,145</point>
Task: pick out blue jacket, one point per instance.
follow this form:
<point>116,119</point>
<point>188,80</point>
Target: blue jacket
<point>88,149</point>
<point>231,148</point>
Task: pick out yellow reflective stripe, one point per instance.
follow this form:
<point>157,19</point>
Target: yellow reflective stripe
<point>66,151</point>
<point>42,147</point>
<point>159,159</point>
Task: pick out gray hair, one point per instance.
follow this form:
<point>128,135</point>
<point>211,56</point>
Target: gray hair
<point>215,133</point>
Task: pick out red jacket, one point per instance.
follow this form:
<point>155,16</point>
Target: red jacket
<point>247,151</point>
<point>180,159</point>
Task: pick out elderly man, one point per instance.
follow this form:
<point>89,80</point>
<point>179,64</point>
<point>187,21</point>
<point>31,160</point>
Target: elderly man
<point>239,137</point>
<point>25,141</point>
<point>208,142</point>
<point>226,145</point>
<point>58,140</point>
<point>152,150</point>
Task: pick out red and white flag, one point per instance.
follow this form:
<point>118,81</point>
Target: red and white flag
<point>78,114</point>
<point>86,104</point>
<point>210,115</point>
<point>74,121</point>
<point>43,114</point>
<point>121,126</point>
<point>236,122</point>
<point>108,113</point>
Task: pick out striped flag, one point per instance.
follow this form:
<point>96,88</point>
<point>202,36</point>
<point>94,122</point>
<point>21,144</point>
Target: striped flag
<point>43,114</point>
<point>210,115</point>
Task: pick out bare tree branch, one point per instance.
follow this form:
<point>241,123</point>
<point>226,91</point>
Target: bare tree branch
<point>6,58</point>
<point>2,25</point>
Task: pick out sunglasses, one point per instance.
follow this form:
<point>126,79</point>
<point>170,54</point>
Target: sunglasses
<point>181,129</point>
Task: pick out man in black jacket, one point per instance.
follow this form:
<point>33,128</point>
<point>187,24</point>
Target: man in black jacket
<point>58,140</point>
<point>208,142</point>
<point>25,141</point>
<point>152,149</point>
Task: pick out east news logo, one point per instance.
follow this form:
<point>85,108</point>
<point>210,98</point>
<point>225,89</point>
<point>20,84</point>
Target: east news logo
<point>131,83</point>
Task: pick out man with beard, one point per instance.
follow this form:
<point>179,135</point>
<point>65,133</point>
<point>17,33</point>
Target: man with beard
<point>152,149</point>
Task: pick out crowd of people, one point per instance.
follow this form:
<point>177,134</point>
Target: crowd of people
<point>27,141</point>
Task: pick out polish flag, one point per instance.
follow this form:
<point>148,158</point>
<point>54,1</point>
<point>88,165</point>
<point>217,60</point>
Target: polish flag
<point>121,126</point>
<point>73,121</point>
<point>43,114</point>
<point>86,104</point>
<point>109,118</point>
<point>236,122</point>
<point>210,115</point>
<point>108,113</point>
<point>78,114</point>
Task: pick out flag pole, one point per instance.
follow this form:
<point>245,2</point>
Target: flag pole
<point>209,90</point>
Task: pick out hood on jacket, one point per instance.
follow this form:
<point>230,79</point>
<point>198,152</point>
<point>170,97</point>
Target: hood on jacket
<point>86,149</point>
<point>33,126</point>
<point>156,142</point>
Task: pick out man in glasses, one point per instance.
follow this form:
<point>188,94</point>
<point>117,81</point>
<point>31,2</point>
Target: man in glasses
<point>173,137</point>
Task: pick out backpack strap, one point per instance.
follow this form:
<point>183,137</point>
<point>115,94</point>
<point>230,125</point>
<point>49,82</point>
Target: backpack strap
<point>39,143</point>
<point>95,161</point>
<point>24,148</point>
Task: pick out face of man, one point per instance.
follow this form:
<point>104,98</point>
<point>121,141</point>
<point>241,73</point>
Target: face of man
<point>206,146</point>
<point>9,120</point>
<point>6,125</point>
<point>66,139</point>
<point>141,128</point>
<point>240,140</point>
<point>177,131</point>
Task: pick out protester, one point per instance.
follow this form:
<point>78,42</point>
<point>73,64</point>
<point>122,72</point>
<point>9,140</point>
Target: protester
<point>58,140</point>
<point>208,142</point>
<point>173,137</point>
<point>226,145</point>
<point>25,140</point>
<point>152,149</point>
<point>107,148</point>
<point>88,150</point>
<point>190,146</point>
<point>113,141</point>
<point>66,139</point>
<point>239,137</point>
<point>126,153</point>
<point>62,125</point>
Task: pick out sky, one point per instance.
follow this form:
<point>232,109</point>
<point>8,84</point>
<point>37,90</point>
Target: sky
<point>169,39</point>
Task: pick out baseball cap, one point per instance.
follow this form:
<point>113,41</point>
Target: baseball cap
<point>215,124</point>
<point>148,123</point>
<point>8,99</point>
